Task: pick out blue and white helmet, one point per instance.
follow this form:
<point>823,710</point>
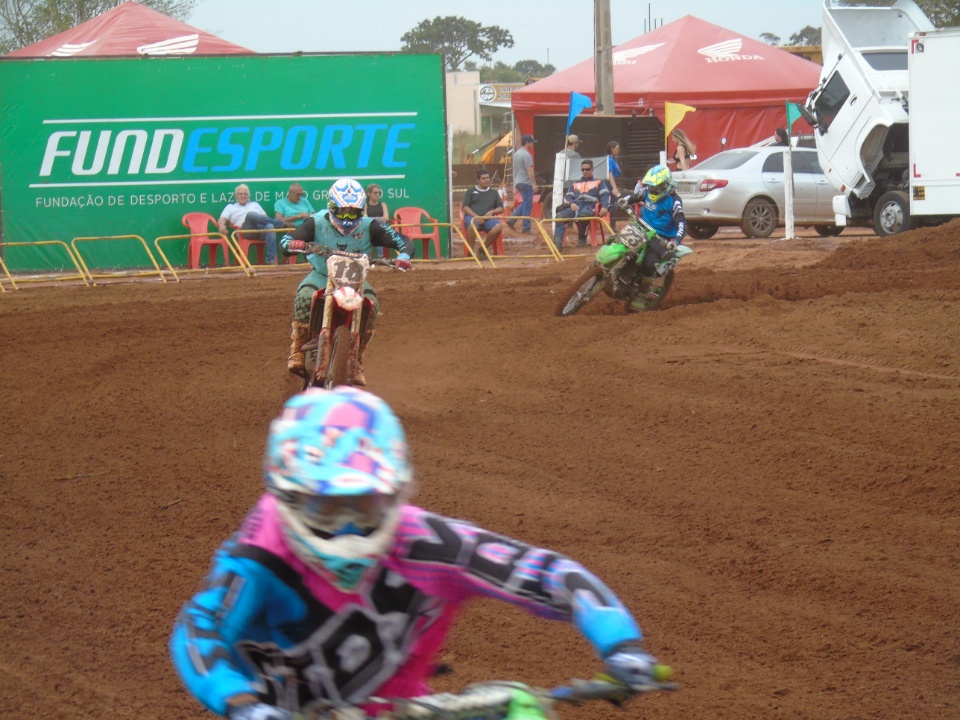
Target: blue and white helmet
<point>338,463</point>
<point>345,205</point>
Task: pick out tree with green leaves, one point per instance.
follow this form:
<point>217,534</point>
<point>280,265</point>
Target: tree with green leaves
<point>25,22</point>
<point>457,39</point>
<point>500,72</point>
<point>807,36</point>
<point>942,13</point>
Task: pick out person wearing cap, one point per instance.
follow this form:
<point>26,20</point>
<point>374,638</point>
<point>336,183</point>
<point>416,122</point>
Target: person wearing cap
<point>572,150</point>
<point>523,175</point>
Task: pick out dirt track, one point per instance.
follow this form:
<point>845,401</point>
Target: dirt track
<point>766,471</point>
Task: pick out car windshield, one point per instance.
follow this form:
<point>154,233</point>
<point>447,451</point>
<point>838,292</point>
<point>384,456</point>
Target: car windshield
<point>726,160</point>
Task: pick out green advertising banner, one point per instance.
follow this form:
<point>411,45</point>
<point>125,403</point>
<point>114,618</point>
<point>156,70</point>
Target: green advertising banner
<point>117,146</point>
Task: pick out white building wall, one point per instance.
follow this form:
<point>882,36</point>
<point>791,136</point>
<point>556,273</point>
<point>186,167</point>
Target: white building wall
<point>463,101</point>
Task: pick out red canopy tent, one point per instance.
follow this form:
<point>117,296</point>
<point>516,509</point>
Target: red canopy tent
<point>739,86</point>
<point>131,29</point>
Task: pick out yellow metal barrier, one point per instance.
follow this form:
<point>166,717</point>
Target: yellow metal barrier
<point>473,255</point>
<point>610,230</point>
<point>241,265</point>
<point>281,260</point>
<point>9,277</point>
<point>543,235</point>
<point>46,278</point>
<point>146,248</point>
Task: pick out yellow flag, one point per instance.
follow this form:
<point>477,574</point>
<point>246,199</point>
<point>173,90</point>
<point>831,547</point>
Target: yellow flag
<point>673,113</point>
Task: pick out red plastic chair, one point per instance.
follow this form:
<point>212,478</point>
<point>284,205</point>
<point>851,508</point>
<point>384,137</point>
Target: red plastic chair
<point>596,228</point>
<point>198,223</point>
<point>497,248</point>
<point>246,243</point>
<point>413,217</point>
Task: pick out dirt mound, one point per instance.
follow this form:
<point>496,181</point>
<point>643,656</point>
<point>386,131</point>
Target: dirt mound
<point>765,470</point>
<point>923,249</point>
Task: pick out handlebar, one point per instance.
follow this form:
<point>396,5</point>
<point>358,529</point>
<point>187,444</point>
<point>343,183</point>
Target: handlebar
<point>314,249</point>
<point>493,699</point>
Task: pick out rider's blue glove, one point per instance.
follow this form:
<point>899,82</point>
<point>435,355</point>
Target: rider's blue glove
<point>403,262</point>
<point>258,711</point>
<point>633,667</point>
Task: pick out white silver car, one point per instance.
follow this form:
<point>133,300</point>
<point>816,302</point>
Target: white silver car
<point>745,187</point>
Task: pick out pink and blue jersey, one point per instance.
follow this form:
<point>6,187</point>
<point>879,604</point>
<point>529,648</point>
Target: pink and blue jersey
<point>266,623</point>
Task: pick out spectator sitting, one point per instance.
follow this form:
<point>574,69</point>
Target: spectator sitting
<point>293,209</point>
<point>481,205</point>
<point>246,214</point>
<point>581,201</point>
<point>376,208</point>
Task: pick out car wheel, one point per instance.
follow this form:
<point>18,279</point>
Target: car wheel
<point>702,230</point>
<point>759,219</point>
<point>828,230</point>
<point>892,214</point>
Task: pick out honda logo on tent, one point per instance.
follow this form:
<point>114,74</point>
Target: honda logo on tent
<point>71,49</point>
<point>726,51</point>
<point>183,45</point>
<point>625,57</point>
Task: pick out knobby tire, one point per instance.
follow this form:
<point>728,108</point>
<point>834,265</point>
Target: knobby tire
<point>338,371</point>
<point>584,289</point>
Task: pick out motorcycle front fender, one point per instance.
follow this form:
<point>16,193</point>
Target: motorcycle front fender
<point>607,255</point>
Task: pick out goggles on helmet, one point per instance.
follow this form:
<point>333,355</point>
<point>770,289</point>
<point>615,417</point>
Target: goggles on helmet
<point>347,213</point>
<point>333,515</point>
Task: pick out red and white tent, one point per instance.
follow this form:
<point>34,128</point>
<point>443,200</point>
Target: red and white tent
<point>131,29</point>
<point>739,86</point>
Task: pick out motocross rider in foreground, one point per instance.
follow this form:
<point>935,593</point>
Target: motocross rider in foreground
<point>334,588</point>
<point>663,211</point>
<point>342,226</point>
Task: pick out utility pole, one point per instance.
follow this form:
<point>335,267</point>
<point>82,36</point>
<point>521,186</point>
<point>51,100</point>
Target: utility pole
<point>603,58</point>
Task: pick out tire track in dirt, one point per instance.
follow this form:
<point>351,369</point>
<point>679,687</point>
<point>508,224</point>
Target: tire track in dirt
<point>804,354</point>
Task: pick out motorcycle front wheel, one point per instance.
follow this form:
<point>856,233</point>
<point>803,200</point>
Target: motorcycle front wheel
<point>584,289</point>
<point>338,371</point>
<point>657,292</point>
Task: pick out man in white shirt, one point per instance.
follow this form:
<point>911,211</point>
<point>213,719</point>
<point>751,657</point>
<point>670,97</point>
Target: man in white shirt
<point>246,214</point>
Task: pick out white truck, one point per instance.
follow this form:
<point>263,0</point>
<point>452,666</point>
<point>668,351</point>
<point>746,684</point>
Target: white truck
<point>886,114</point>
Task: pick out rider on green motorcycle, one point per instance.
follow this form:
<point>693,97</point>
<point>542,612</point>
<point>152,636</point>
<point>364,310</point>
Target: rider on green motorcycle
<point>663,211</point>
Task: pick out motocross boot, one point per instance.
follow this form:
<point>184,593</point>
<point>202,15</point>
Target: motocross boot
<point>358,378</point>
<point>644,293</point>
<point>299,334</point>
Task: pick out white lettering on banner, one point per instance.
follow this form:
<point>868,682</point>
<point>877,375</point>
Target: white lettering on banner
<point>86,201</point>
<point>216,151</point>
<point>79,201</point>
<point>164,199</point>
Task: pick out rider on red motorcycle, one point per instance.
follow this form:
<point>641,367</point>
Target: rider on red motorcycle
<point>342,226</point>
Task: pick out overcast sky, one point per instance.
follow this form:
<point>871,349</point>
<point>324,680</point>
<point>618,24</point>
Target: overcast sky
<point>556,31</point>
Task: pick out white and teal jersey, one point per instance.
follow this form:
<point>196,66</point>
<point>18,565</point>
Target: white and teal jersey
<point>319,230</point>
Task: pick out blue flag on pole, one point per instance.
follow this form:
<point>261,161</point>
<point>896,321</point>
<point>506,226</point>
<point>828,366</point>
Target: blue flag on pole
<point>578,103</point>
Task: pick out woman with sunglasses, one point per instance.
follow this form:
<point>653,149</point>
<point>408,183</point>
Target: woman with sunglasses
<point>342,226</point>
<point>376,208</point>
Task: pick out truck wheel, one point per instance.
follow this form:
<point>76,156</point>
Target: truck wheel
<point>759,219</point>
<point>702,230</point>
<point>892,214</point>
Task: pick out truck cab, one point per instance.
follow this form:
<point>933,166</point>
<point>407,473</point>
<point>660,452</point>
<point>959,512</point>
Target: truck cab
<point>861,108</point>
